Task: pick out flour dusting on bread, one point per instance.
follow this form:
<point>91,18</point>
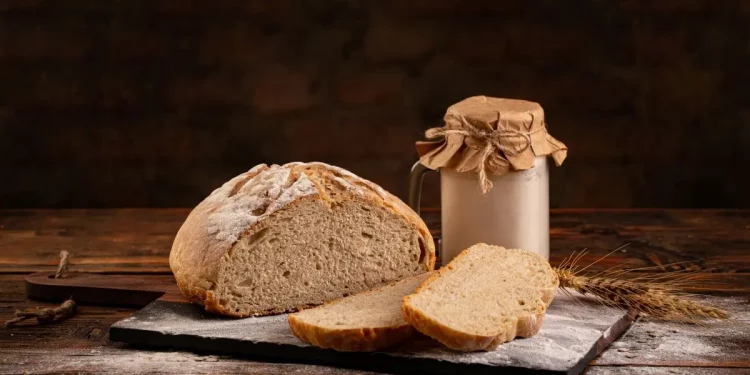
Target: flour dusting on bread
<point>277,238</point>
<point>259,196</point>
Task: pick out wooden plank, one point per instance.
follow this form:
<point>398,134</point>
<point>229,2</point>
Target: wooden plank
<point>139,240</point>
<point>121,240</point>
<point>139,362</point>
<point>123,360</point>
<point>12,289</point>
<point>653,370</point>
<point>81,344</point>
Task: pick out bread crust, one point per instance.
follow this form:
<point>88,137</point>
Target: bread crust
<point>197,253</point>
<point>519,326</point>
<point>366,339</point>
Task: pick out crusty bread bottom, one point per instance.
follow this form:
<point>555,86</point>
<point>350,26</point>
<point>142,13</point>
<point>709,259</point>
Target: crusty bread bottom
<point>367,321</point>
<point>486,296</point>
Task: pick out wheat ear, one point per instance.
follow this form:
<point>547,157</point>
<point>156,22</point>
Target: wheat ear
<point>653,298</point>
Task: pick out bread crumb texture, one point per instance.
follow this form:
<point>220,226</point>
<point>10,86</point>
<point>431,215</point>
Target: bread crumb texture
<point>486,296</point>
<point>366,321</point>
<point>279,238</point>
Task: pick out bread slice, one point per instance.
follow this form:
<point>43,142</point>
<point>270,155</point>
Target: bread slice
<point>486,296</point>
<point>364,322</point>
<point>279,238</point>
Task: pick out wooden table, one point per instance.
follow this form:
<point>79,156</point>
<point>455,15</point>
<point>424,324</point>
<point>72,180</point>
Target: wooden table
<point>137,241</point>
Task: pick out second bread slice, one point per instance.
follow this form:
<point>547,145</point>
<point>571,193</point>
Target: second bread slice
<point>367,321</point>
<point>486,296</point>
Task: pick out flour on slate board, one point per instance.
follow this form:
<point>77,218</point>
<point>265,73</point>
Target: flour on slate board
<point>571,329</point>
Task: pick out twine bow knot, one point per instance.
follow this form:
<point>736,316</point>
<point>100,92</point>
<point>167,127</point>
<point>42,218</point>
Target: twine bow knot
<point>495,144</point>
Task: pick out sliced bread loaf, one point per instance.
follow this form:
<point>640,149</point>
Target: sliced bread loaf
<point>366,321</point>
<point>486,296</point>
<point>280,238</point>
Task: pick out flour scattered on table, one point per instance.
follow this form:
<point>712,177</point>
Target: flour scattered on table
<point>663,343</point>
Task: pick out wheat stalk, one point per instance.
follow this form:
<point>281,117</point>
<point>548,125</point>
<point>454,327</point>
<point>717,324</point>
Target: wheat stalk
<point>655,296</point>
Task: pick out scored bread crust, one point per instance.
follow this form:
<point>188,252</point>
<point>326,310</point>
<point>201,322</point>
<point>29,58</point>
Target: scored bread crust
<point>199,246</point>
<point>523,326</point>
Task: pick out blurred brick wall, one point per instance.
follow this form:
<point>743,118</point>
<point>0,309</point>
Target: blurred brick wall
<point>155,103</point>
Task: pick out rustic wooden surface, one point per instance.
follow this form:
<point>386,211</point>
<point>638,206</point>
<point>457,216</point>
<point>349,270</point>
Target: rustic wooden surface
<point>137,241</point>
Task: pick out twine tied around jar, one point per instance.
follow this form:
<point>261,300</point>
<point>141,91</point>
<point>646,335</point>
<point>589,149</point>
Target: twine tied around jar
<point>493,142</point>
<point>490,136</point>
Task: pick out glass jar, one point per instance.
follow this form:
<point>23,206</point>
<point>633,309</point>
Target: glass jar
<point>492,157</point>
<point>513,214</point>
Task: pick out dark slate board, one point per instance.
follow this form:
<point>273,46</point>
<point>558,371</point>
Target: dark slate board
<point>574,332</point>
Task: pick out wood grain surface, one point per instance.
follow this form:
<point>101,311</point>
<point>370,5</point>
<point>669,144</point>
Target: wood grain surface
<point>137,242</point>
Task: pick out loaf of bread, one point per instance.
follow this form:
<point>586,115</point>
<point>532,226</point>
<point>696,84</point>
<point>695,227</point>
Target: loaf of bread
<point>364,322</point>
<point>279,238</point>
<point>485,296</point>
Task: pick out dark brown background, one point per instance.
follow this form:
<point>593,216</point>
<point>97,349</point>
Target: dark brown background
<point>108,103</point>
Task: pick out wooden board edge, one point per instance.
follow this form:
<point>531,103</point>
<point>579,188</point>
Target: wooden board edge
<point>44,287</point>
<point>619,328</point>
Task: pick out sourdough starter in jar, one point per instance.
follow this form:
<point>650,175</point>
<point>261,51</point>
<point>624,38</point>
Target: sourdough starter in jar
<point>513,214</point>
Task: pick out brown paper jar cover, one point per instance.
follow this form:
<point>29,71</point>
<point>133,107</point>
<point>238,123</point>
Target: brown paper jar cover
<point>490,135</point>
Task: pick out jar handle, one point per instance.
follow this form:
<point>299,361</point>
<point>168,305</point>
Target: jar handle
<point>415,185</point>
